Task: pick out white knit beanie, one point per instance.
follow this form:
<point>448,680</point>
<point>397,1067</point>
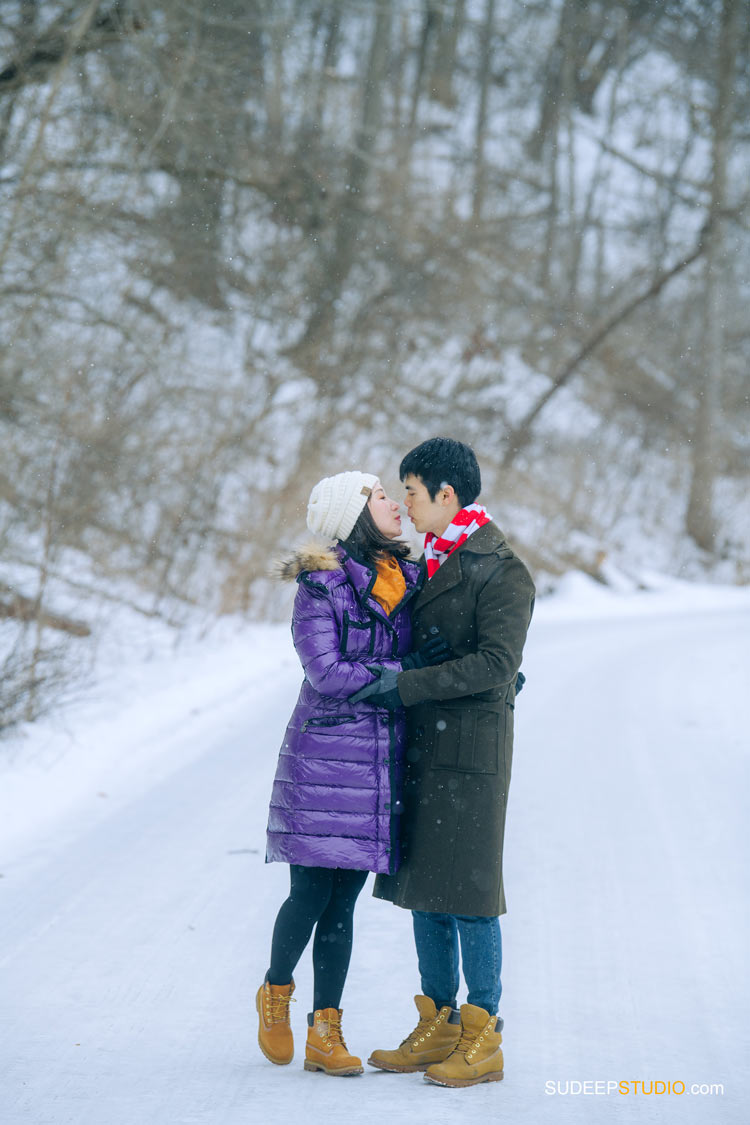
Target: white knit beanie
<point>336,502</point>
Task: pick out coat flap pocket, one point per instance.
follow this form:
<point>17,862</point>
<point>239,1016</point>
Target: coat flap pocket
<point>357,637</point>
<point>467,740</point>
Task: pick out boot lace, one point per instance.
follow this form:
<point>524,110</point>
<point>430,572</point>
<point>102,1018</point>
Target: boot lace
<point>466,1042</point>
<point>470,1041</point>
<point>413,1036</point>
<point>335,1034</point>
<point>278,1007</point>
<point>425,1026</point>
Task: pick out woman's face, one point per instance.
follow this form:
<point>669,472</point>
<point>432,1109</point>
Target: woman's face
<point>384,512</point>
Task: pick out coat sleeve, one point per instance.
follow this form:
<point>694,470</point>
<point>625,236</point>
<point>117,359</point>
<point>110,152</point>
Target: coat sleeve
<point>503,612</point>
<point>317,639</point>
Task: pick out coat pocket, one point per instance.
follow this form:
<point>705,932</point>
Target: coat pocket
<point>328,721</point>
<point>469,740</point>
<point>357,637</point>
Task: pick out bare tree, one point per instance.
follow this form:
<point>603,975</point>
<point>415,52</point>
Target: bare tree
<point>485,77</point>
<point>700,518</point>
<point>450,25</point>
<point>235,253</point>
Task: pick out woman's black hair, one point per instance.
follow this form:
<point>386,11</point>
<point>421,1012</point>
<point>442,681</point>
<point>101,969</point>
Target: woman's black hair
<point>368,544</point>
<point>440,461</point>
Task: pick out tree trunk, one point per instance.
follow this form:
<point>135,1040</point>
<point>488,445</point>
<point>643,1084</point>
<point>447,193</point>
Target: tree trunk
<point>485,75</point>
<point>429,21</point>
<point>337,264</point>
<point>700,523</point>
<point>444,62</point>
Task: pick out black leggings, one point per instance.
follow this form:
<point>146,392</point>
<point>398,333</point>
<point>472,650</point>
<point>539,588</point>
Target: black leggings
<point>327,896</point>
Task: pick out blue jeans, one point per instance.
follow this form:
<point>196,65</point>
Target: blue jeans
<point>436,937</point>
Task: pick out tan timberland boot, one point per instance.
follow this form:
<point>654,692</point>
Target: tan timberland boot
<point>431,1041</point>
<point>326,1049</point>
<point>274,1031</point>
<point>478,1056</point>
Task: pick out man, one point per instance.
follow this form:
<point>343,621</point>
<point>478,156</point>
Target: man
<point>478,596</point>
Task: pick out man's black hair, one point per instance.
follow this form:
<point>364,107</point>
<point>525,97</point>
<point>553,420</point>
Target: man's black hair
<point>440,461</point>
<point>368,544</point>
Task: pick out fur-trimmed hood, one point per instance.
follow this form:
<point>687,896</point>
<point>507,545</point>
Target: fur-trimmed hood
<point>310,556</point>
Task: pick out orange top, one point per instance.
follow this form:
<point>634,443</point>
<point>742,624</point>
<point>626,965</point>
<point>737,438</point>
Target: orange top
<point>390,584</point>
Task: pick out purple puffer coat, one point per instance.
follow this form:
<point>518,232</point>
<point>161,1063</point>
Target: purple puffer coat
<point>338,784</point>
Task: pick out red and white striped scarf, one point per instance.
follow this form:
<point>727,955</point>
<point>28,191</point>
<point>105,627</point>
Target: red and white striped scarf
<point>464,523</point>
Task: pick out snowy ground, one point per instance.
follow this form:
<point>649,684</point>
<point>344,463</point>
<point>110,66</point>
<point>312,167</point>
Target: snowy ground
<point>136,909</point>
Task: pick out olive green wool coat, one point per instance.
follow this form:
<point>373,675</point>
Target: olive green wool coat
<point>460,731</point>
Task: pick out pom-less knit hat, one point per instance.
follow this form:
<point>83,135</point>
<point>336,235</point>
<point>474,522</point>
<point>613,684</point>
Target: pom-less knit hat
<point>336,502</point>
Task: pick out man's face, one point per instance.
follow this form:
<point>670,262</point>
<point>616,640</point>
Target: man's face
<point>427,514</point>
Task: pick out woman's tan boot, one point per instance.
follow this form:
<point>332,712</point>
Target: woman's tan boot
<point>478,1056</point>
<point>274,1030</point>
<point>431,1041</point>
<point>326,1049</point>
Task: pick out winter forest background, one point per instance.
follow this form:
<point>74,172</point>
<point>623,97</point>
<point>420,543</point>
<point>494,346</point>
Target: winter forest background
<point>248,243</point>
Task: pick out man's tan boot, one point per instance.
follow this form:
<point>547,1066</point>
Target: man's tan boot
<point>274,1030</point>
<point>326,1049</point>
<point>431,1041</point>
<point>478,1056</point>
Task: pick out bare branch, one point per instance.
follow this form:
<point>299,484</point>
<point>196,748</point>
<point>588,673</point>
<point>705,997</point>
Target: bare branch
<point>520,436</point>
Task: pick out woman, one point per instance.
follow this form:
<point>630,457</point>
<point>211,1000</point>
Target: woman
<point>336,795</point>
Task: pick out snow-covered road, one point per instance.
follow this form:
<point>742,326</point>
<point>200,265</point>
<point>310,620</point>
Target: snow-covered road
<point>132,941</point>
